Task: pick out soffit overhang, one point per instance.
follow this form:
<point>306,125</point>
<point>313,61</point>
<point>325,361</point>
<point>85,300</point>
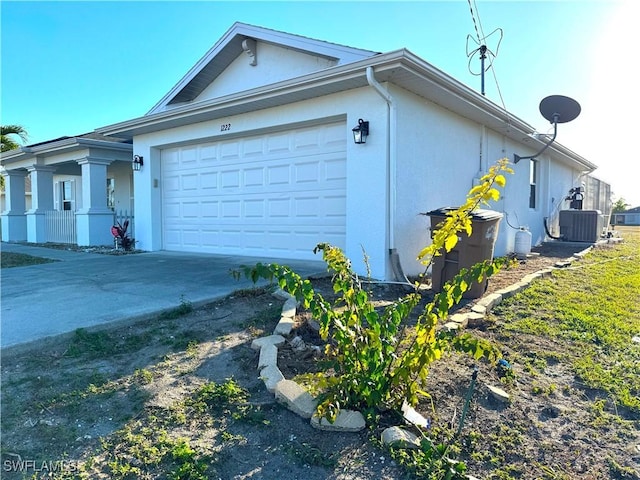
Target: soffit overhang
<point>73,147</point>
<point>400,67</point>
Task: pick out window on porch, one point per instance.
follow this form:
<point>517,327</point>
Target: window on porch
<point>111,193</point>
<point>68,195</point>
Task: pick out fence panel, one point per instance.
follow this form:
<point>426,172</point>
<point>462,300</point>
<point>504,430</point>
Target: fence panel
<point>61,226</point>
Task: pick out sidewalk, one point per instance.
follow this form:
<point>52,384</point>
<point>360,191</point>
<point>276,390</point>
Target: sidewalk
<point>83,290</point>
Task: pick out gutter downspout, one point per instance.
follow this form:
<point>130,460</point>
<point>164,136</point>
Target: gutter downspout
<point>392,164</point>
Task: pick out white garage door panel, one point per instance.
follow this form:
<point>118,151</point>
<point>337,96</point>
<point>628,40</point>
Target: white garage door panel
<point>275,195</point>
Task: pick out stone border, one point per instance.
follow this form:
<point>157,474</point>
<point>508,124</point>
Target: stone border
<point>301,402</point>
<point>288,392</point>
<point>482,307</point>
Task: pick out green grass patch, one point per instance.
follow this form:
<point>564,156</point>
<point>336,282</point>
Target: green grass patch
<point>12,259</point>
<point>147,447</point>
<point>593,309</point>
<point>91,345</point>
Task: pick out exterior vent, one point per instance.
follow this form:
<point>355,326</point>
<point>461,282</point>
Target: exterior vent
<point>581,225</point>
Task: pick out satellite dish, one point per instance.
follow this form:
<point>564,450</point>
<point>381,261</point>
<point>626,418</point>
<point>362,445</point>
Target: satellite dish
<point>559,109</point>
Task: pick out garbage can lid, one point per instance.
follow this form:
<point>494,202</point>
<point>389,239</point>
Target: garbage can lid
<point>480,215</point>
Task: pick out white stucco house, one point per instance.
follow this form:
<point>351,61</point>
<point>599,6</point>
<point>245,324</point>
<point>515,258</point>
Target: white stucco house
<point>252,153</point>
<point>73,189</point>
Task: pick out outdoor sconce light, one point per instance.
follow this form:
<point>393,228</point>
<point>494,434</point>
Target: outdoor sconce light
<point>361,132</point>
<point>138,161</point>
<point>557,109</point>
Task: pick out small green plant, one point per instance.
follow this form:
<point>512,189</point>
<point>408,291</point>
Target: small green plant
<point>181,310</point>
<point>251,414</point>
<point>307,454</point>
<point>137,450</point>
<point>192,349</point>
<point>231,438</point>
<point>546,391</point>
<point>219,396</point>
<point>621,471</point>
<point>190,465</point>
<point>143,376</point>
<point>431,461</point>
<point>89,344</point>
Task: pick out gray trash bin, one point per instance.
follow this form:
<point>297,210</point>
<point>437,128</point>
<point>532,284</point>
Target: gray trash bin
<point>468,251</point>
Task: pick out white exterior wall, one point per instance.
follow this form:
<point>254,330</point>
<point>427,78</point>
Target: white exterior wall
<point>441,155</point>
<point>274,64</point>
<point>366,167</point>
<point>438,158</point>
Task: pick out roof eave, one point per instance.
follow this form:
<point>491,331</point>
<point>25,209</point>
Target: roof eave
<point>61,146</point>
<point>439,88</point>
<point>229,44</point>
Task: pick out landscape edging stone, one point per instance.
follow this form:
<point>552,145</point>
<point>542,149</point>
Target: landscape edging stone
<point>457,321</point>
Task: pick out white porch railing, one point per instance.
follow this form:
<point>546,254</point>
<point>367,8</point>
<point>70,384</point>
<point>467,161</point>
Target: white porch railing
<point>61,226</point>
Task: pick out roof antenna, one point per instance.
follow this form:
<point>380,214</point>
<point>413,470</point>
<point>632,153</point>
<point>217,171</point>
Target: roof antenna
<point>485,54</point>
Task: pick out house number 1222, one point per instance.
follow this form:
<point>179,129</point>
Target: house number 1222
<point>225,126</point>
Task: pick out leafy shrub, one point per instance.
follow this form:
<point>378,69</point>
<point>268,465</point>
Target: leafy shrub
<point>376,359</point>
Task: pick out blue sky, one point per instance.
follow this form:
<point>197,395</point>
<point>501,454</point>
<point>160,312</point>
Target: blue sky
<point>70,67</point>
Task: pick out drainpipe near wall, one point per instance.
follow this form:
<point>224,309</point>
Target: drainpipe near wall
<point>392,162</point>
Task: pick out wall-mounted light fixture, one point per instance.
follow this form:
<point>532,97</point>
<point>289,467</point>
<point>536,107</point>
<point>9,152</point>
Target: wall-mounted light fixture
<point>557,109</point>
<point>137,163</point>
<point>361,132</point>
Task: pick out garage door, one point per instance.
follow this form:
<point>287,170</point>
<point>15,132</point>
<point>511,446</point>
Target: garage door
<point>274,195</point>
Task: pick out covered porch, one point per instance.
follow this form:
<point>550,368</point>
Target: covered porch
<point>78,187</point>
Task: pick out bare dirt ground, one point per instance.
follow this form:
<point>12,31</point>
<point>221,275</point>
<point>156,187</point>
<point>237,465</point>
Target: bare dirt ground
<point>70,399</point>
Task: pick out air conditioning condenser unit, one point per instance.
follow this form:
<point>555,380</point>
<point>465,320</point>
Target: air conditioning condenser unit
<point>581,225</point>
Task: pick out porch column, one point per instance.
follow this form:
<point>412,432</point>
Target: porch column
<point>14,220</point>
<point>41,201</point>
<point>95,219</point>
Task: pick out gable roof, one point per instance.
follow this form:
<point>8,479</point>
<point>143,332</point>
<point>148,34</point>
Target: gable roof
<point>230,46</point>
<point>400,67</point>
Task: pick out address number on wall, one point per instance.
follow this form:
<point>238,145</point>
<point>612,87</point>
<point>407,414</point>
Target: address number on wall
<point>225,126</point>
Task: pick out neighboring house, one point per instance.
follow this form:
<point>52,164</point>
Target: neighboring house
<point>628,217</point>
<point>252,153</point>
<point>27,192</point>
<point>76,184</point>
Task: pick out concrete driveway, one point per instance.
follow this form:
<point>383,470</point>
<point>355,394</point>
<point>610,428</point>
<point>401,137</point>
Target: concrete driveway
<point>89,289</point>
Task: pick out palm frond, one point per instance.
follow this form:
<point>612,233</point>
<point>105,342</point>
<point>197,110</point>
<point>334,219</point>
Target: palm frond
<point>7,142</point>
